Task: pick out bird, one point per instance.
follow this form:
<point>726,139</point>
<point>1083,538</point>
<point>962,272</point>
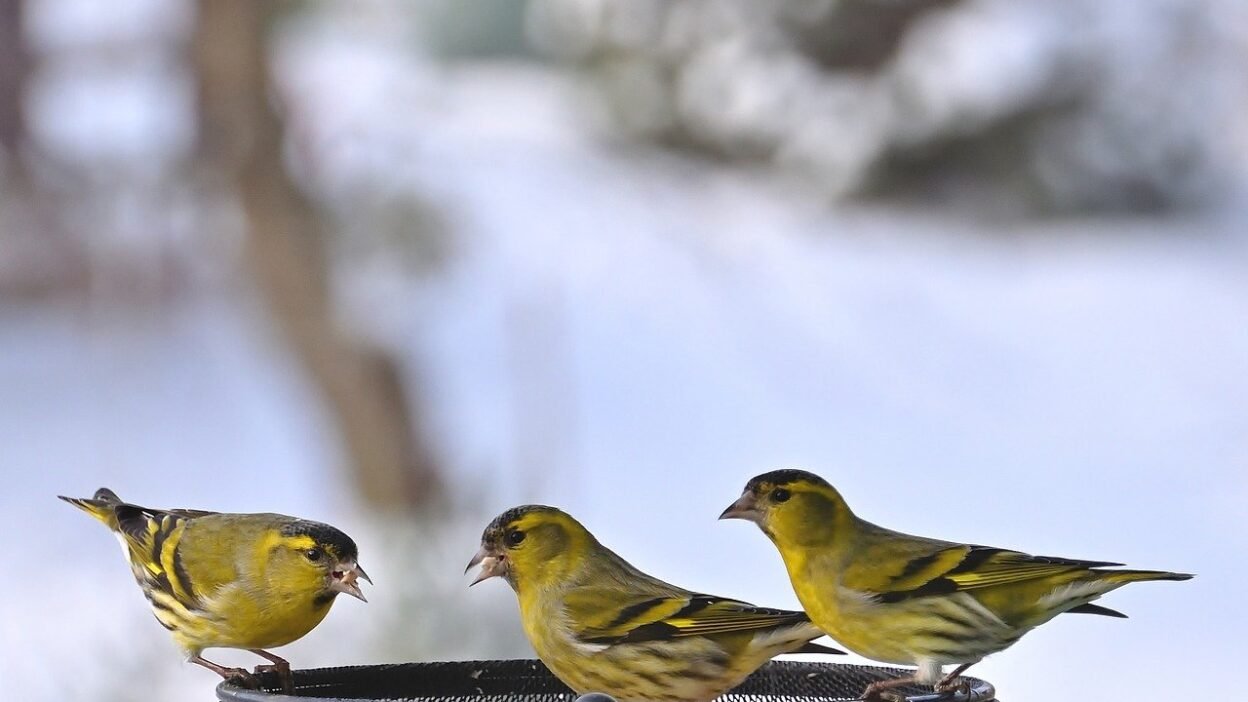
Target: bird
<point>246,581</point>
<point>910,600</point>
<point>601,625</point>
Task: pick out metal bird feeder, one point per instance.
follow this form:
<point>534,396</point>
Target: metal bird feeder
<point>530,681</point>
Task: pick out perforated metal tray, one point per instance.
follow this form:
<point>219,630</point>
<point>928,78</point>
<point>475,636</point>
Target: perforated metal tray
<point>530,681</point>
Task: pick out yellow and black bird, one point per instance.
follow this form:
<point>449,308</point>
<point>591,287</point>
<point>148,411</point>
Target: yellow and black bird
<point>601,625</point>
<point>910,600</point>
<point>247,581</point>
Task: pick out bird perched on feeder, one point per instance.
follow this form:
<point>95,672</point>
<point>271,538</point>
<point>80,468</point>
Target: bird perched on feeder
<point>249,581</point>
<point>601,625</point>
<point>910,600</point>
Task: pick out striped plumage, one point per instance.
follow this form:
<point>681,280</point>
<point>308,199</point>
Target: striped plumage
<point>910,600</point>
<point>248,581</point>
<point>601,625</point>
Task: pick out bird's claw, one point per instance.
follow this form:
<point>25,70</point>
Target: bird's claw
<point>953,687</point>
<point>877,692</point>
<point>239,677</point>
<point>282,671</point>
<point>279,669</point>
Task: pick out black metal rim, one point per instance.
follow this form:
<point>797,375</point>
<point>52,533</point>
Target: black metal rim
<point>331,680</point>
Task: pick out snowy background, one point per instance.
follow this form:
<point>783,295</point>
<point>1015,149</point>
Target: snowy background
<point>626,328</point>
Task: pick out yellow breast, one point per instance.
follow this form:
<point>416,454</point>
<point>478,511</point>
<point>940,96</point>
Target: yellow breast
<point>233,618</point>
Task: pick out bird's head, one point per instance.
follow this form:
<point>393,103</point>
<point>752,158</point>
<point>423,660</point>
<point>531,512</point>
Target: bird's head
<point>532,545</point>
<point>792,507</point>
<point>314,557</point>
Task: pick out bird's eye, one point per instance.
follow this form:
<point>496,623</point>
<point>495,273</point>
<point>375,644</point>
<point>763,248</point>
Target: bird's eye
<point>780,495</point>
<point>314,554</point>
<point>514,537</point>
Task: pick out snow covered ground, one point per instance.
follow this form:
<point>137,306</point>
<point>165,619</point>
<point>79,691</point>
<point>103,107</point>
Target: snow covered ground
<point>632,336</point>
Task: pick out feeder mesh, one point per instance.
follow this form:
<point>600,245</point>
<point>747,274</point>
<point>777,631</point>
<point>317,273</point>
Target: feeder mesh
<point>530,681</point>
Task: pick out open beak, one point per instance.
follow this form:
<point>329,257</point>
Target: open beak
<point>744,508</point>
<point>343,579</point>
<point>492,564</point>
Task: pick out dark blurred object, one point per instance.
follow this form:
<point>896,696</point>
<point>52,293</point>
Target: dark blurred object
<point>531,681</point>
<point>34,253</point>
<point>13,67</point>
<point>1039,105</point>
<point>241,139</point>
<point>854,35</point>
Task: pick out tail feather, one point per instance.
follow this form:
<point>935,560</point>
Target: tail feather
<point>1134,576</point>
<point>812,647</point>
<point>1076,595</point>
<point>101,506</point>
<point>1096,609</point>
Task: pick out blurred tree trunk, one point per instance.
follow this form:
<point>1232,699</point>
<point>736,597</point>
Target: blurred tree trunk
<point>241,138</point>
<point>13,66</point>
<point>39,256</point>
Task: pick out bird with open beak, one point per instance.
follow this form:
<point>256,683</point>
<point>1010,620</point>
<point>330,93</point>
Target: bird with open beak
<point>492,559</point>
<point>344,578</point>
<point>601,625</point>
<point>228,580</point>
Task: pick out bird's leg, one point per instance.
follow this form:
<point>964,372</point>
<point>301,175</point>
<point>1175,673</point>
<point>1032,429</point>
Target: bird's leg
<point>880,689</point>
<point>949,682</point>
<point>235,675</point>
<point>280,666</point>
